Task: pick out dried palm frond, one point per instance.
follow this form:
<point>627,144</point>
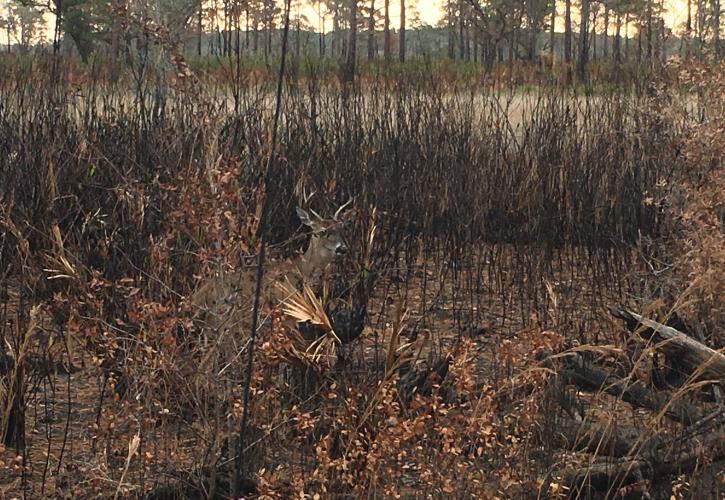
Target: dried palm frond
<point>304,307</point>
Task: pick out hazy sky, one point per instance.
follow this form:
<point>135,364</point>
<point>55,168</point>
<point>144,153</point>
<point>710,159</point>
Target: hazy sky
<point>430,12</point>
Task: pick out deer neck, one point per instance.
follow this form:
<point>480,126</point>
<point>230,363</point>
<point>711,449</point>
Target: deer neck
<point>314,262</point>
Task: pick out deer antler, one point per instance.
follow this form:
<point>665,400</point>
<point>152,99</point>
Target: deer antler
<point>339,210</point>
<point>305,202</point>
<point>306,197</point>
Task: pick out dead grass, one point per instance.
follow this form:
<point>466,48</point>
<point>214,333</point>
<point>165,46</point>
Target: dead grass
<point>499,243</point>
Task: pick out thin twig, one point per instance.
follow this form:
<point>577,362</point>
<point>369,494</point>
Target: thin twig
<point>260,263</point>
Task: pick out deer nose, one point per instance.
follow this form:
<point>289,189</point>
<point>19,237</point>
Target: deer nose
<point>340,249</point>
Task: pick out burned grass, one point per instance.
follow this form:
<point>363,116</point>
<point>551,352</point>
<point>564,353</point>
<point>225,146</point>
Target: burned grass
<point>498,246</point>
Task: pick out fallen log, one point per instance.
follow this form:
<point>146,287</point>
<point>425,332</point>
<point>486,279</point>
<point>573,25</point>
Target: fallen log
<point>590,378</point>
<point>600,438</point>
<point>674,457</point>
<point>701,359</point>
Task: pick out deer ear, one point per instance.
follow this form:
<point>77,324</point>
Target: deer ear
<point>304,217</point>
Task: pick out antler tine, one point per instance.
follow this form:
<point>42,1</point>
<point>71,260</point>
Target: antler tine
<point>339,210</point>
<point>307,197</point>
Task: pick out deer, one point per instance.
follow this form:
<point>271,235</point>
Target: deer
<point>326,244</point>
<point>224,301</point>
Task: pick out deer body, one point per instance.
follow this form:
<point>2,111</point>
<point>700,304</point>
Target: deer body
<point>224,302</point>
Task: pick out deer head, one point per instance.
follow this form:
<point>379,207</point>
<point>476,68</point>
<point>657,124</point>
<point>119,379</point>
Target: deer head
<point>327,242</point>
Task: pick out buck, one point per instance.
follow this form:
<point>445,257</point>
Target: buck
<point>224,302</point>
<point>326,243</point>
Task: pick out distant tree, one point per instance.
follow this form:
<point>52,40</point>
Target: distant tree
<point>200,26</point>
<point>320,26</point>
<point>617,44</point>
<point>650,18</point>
<point>7,23</point>
<point>605,30</point>
<point>583,40</point>
<point>371,31</point>
<point>270,13</point>
<point>352,43</point>
<point>627,20</point>
<point>300,22</point>
<point>567,39</point>
<point>85,22</point>
<point>496,22</point>
<point>335,8</point>
<point>687,32</point>
<point>716,28</point>
<point>552,33</point>
<point>401,35</point>
<point>387,49</point>
<point>536,12</point>
<point>175,15</point>
<point>450,22</point>
<point>461,31</point>
<point>700,24</point>
<point>117,11</point>
<point>255,15</point>
<point>593,20</point>
<point>24,24</point>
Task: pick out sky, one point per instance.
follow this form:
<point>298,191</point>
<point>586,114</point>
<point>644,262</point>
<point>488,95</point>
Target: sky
<point>430,12</point>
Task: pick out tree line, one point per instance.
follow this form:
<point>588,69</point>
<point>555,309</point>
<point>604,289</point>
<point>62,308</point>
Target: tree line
<point>481,31</point>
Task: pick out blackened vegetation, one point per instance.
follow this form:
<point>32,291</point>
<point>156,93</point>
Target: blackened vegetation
<point>483,200</point>
<point>658,456</point>
<point>577,171</point>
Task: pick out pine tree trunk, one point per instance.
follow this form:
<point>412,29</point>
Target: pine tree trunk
<point>475,46</point>
<point>531,45</point>
<point>371,31</point>
<point>552,34</point>
<point>716,27</point>
<point>468,43</point>
<point>617,38</point>
<point>593,35</point>
<point>352,42</point>
<point>626,36</point>
<point>201,28</point>
<point>567,40</point>
<point>321,23</point>
<point>688,29</point>
<point>402,30</point>
<point>583,41</point>
<point>298,40</point>
<point>246,33</point>
<point>700,26</point>
<point>461,41</point>
<point>512,47</point>
<point>116,30</point>
<point>649,30</point>
<point>335,33</point>
<point>268,44</point>
<point>606,33</point>
<point>386,28</point>
<point>451,32</point>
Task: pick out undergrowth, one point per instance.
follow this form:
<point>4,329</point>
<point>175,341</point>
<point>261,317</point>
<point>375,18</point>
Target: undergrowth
<point>505,223</point>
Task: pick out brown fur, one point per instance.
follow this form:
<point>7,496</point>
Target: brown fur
<point>224,301</point>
